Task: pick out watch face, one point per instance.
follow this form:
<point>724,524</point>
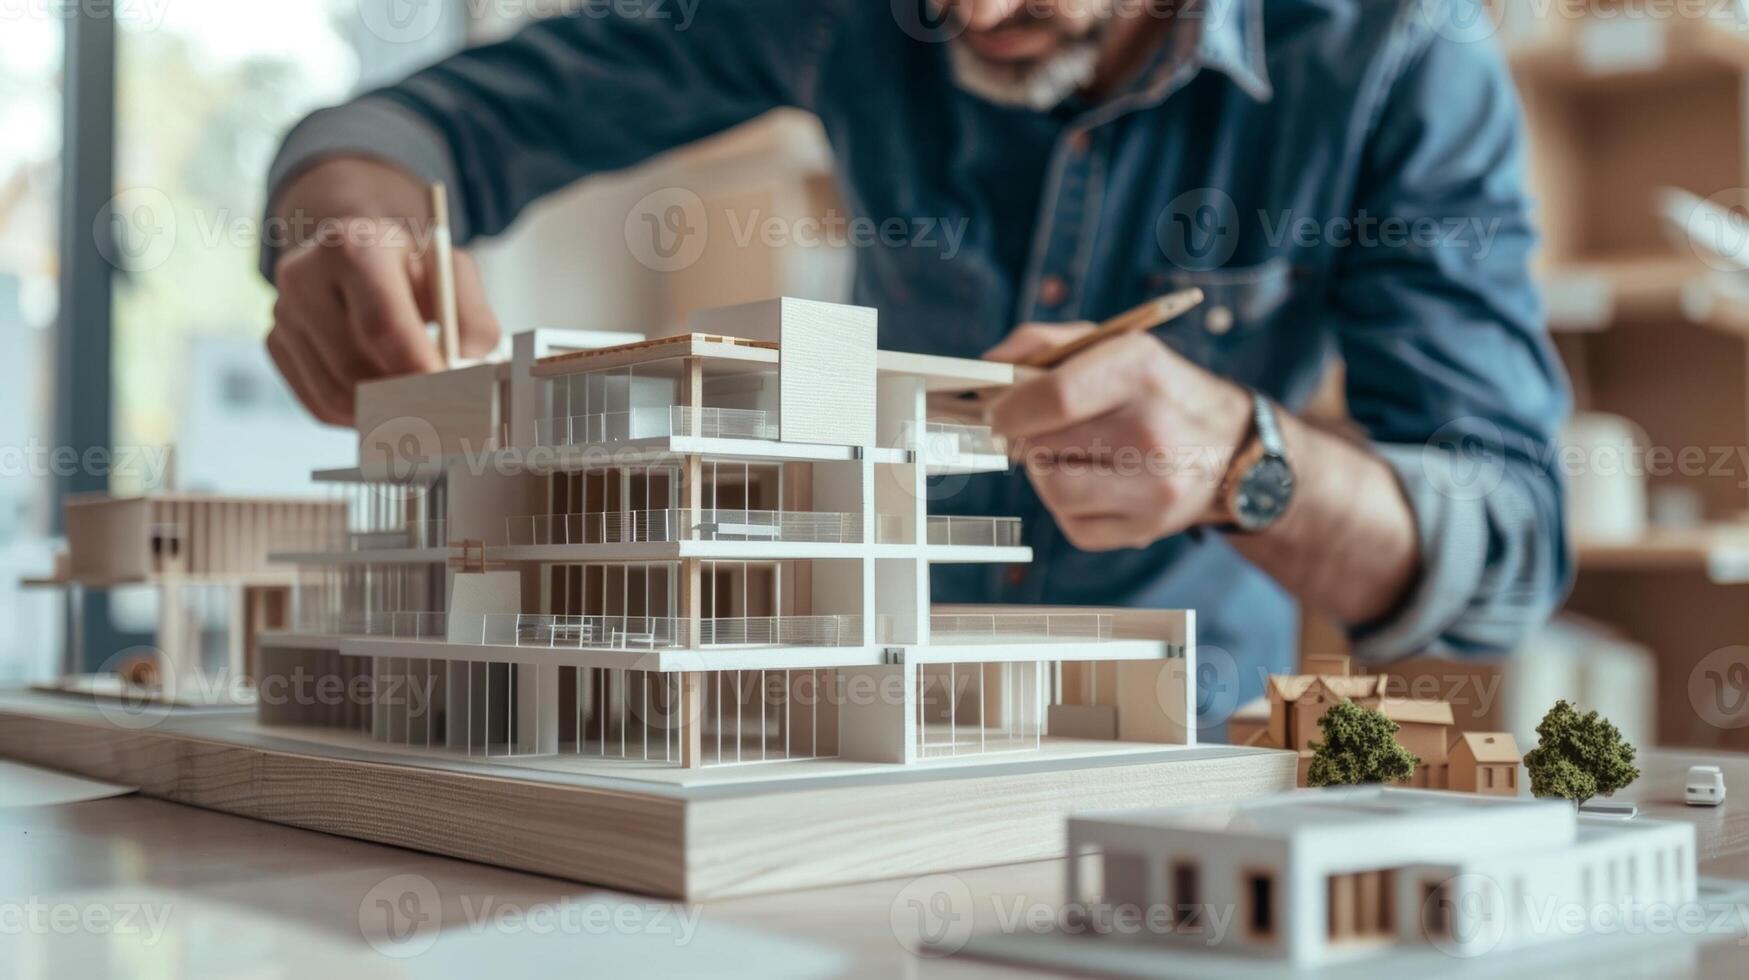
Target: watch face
<point>1263,493</point>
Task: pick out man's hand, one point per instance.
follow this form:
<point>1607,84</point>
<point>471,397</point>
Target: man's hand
<point>356,290</point>
<point>1126,442</point>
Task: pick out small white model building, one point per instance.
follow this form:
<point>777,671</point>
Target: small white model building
<point>206,558</point>
<point>704,549</point>
<point>1317,877</point>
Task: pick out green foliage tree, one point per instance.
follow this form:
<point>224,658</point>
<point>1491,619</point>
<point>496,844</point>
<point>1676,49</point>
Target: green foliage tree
<point>1359,746</point>
<point>1578,756</point>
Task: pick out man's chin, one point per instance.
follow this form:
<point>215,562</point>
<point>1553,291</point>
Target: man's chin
<point>1013,45</point>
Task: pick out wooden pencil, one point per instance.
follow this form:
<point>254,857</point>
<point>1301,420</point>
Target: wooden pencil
<point>443,275</point>
<point>1147,316</point>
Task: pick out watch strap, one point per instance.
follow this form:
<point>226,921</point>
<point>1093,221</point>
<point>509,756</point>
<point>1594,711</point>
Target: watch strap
<point>1267,428</point>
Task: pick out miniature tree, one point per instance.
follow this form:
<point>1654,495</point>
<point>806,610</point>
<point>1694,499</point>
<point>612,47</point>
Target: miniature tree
<point>1359,746</point>
<point>1578,756</point>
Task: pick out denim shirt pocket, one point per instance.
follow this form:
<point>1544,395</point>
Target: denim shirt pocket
<point>1239,305</point>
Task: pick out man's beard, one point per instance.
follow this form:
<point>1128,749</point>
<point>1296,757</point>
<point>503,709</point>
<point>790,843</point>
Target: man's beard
<point>1037,85</point>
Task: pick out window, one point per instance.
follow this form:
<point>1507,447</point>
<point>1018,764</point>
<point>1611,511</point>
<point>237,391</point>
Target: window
<point>1359,905</point>
<point>1487,777</point>
<point>31,58</point>
<point>1126,879</point>
<point>1436,907</point>
<point>1260,890</point>
<point>205,90</point>
<point>1187,896</point>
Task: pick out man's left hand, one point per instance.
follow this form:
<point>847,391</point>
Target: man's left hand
<point>1126,442</point>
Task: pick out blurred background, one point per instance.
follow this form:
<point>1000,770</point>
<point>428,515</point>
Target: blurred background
<point>131,314</point>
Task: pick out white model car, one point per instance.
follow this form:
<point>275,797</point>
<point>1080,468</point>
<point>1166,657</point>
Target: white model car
<point>1706,786</point>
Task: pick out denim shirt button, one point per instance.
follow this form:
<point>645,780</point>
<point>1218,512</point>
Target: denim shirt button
<point>1052,290</point>
<point>1219,320</point>
<point>1079,141</point>
<point>1016,575</point>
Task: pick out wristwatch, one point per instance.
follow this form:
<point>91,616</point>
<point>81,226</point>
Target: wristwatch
<point>1259,483</point>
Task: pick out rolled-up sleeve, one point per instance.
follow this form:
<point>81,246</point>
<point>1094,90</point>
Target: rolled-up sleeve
<point>1449,366</point>
<point>593,91</point>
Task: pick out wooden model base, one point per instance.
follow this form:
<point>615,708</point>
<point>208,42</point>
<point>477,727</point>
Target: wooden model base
<point>762,833</point>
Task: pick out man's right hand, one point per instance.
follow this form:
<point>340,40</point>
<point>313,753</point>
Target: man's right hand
<point>356,289</point>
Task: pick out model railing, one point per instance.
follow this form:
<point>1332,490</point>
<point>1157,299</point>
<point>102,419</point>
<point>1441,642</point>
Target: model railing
<point>579,632</point>
<point>665,632</point>
<point>787,631</point>
<point>994,532</point>
<point>413,534</point>
<point>654,423</point>
<point>616,527</point>
<point>946,440</point>
<point>630,527</point>
<point>1019,627</point>
<point>400,625</point>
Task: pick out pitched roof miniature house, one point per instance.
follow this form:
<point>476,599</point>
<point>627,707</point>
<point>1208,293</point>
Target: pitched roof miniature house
<point>1484,762</point>
<point>703,550</point>
<point>1424,727</point>
<point>1325,876</point>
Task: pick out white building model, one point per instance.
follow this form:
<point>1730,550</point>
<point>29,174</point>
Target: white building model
<point>705,549</point>
<point>1323,876</point>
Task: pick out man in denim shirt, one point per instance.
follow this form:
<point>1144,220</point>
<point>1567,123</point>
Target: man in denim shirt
<point>1342,178</point>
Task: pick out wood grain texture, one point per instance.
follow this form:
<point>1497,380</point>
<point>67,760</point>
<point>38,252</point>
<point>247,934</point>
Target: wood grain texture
<point>692,843</point>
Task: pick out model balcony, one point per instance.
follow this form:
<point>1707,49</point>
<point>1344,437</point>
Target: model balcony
<point>977,628</point>
<point>951,440</point>
<point>639,526</point>
<point>668,632</point>
<point>654,423</point>
<point>989,532</point>
<point>398,625</point>
<point>410,535</point>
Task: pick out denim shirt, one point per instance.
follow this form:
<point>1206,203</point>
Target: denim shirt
<point>1343,179</point>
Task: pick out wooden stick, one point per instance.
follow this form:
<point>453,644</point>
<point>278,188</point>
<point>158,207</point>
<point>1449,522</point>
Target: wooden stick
<point>1145,317</point>
<point>443,275</point>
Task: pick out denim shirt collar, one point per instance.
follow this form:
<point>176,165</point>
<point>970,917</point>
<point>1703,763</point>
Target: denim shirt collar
<point>1228,39</point>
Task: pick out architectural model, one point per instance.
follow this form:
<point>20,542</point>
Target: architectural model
<point>1324,876</point>
<point>206,558</point>
<point>698,551</point>
<point>1476,762</point>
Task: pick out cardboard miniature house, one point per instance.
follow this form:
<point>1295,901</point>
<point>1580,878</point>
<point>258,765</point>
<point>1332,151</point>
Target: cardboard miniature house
<point>1476,762</point>
<point>1325,876</point>
<point>700,550</point>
